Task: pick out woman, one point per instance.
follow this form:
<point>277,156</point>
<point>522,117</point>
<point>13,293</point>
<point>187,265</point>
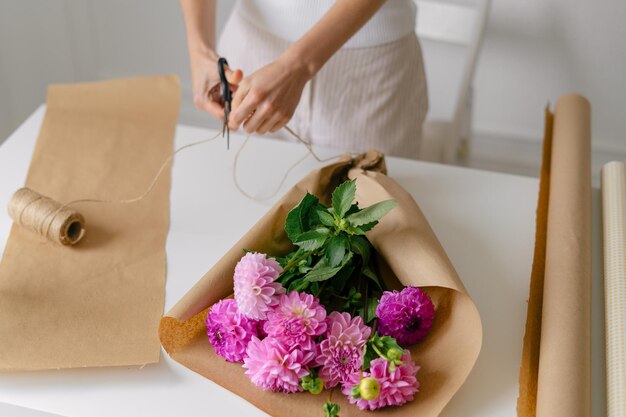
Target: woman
<point>346,74</point>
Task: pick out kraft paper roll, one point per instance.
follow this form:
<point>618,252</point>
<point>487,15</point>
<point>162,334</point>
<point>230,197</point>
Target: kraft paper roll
<point>614,221</point>
<point>555,377</point>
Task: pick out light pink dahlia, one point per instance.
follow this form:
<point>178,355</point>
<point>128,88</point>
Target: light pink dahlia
<point>255,290</point>
<point>396,388</point>
<point>274,367</point>
<point>230,331</point>
<point>298,318</point>
<point>405,315</point>
<point>341,353</point>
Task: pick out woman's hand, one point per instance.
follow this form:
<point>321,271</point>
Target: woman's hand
<point>206,83</point>
<point>267,99</point>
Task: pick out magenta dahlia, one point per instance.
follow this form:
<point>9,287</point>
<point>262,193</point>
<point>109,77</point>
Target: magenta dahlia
<point>229,331</point>
<point>271,365</point>
<point>407,316</point>
<point>389,388</point>
<point>255,290</point>
<point>340,354</point>
<point>297,319</point>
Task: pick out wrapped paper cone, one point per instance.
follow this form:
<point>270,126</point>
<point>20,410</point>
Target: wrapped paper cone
<point>555,376</point>
<point>409,254</point>
<point>614,220</point>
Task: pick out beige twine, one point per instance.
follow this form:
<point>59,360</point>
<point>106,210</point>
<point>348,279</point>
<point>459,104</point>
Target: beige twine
<point>57,222</point>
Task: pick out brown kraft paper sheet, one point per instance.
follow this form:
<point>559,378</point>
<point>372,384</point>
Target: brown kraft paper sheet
<point>409,254</point>
<point>555,375</point>
<point>98,303</point>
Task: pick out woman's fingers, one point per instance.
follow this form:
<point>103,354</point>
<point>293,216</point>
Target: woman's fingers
<point>261,114</point>
<point>204,101</point>
<point>244,103</point>
<point>234,77</point>
<point>282,122</point>
<point>269,123</point>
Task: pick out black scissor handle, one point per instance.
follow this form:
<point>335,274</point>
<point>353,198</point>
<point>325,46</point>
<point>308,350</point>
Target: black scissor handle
<point>225,86</point>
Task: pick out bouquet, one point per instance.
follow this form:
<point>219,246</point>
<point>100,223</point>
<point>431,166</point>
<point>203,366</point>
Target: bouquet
<point>321,317</point>
<point>356,302</point>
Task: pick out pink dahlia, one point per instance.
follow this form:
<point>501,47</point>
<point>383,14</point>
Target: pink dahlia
<point>407,316</point>
<point>341,353</point>
<point>255,290</point>
<point>271,365</point>
<point>297,320</point>
<point>396,388</point>
<point>229,331</point>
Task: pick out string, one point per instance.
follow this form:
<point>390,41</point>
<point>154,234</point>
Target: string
<point>310,151</point>
<point>49,218</point>
<point>129,200</point>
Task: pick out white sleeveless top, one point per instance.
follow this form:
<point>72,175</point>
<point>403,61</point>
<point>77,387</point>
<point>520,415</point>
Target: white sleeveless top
<point>290,19</point>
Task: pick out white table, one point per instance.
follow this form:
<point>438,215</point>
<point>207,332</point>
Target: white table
<point>484,220</point>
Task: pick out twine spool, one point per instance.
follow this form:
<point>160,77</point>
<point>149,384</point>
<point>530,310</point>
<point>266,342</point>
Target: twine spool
<point>46,217</point>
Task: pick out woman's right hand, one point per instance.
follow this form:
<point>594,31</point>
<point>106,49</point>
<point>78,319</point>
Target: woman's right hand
<point>206,83</point>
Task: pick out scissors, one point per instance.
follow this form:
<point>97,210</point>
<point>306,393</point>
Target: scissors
<point>227,98</point>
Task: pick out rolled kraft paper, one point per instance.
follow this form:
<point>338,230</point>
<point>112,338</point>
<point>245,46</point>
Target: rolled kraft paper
<point>529,368</point>
<point>614,220</point>
<point>564,376</point>
<point>409,254</point>
<point>46,217</point>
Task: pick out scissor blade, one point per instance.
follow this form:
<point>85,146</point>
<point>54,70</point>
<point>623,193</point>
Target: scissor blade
<point>225,127</point>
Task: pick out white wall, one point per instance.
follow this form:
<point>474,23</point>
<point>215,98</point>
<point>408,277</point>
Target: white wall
<point>534,51</point>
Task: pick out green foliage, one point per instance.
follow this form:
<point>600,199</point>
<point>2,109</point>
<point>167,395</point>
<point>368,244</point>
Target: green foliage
<point>336,250</point>
<point>333,258</point>
<point>312,383</point>
<point>298,219</point>
<point>330,409</point>
<point>384,347</point>
<point>343,197</point>
<point>368,314</point>
<point>371,214</point>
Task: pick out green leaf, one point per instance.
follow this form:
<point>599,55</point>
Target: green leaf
<point>284,279</point>
<point>322,274</point>
<point>313,239</point>
<point>369,354</point>
<point>325,217</point>
<point>336,250</point>
<point>322,271</point>
<point>340,280</point>
<point>378,347</point>
<point>343,197</point>
<point>372,303</point>
<point>353,209</point>
<point>371,214</point>
<point>297,284</point>
<point>367,271</point>
<point>330,409</point>
<point>362,247</point>
<point>361,230</point>
<point>297,221</point>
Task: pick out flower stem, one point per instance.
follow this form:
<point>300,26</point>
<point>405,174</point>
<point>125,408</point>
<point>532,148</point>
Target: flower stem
<point>378,351</point>
<point>293,262</point>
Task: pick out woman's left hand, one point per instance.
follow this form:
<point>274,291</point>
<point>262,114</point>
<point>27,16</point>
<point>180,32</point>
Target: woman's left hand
<point>267,99</point>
